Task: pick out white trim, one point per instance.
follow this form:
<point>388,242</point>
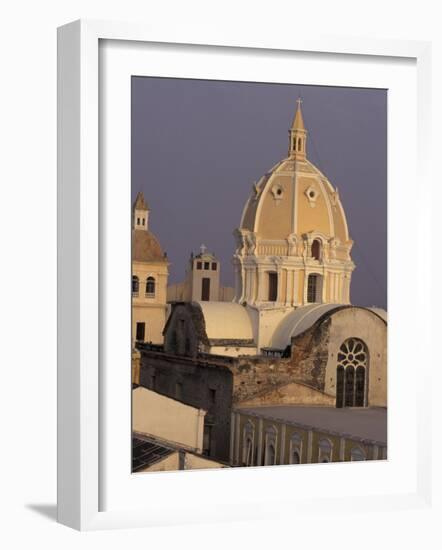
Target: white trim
<point>282,444</point>
<point>329,208</point>
<point>342,448</point>
<point>295,205</point>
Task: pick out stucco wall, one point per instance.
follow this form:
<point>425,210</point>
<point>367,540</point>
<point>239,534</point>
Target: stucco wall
<point>196,462</point>
<point>274,218</point>
<point>166,419</point>
<point>147,309</point>
<point>191,462</point>
<point>167,464</point>
<point>310,218</point>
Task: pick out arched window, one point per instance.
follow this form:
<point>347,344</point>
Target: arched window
<point>314,288</point>
<point>360,386</point>
<point>357,454</point>
<point>135,285</point>
<point>270,455</point>
<point>295,449</point>
<point>150,287</point>
<point>349,386</point>
<point>316,249</point>
<point>299,144</point>
<point>270,446</point>
<point>273,286</point>
<point>340,377</point>
<point>325,451</point>
<point>351,376</point>
<point>248,438</point>
<point>248,452</point>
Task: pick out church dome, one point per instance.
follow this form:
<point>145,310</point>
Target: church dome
<point>293,244</point>
<point>294,198</point>
<point>146,248</point>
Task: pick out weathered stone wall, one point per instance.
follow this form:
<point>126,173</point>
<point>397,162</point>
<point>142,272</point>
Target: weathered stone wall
<point>262,378</point>
<point>202,384</point>
<point>312,363</point>
<point>185,332</point>
<point>135,366</point>
<point>293,393</point>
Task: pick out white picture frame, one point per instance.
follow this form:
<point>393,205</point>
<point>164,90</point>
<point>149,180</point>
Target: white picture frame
<point>82,398</point>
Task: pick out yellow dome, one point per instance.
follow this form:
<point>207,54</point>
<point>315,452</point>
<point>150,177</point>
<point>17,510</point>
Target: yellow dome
<point>293,246</point>
<point>146,248</point>
<point>294,197</point>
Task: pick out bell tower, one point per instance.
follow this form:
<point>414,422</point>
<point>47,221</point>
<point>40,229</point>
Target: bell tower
<point>140,219</point>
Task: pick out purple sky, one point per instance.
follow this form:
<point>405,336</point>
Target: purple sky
<point>198,146</point>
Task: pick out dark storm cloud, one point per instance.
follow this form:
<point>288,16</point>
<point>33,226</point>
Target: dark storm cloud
<point>198,146</point>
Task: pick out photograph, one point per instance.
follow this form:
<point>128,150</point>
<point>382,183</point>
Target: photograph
<point>258,274</point>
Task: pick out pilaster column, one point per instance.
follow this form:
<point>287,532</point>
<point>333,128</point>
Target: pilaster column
<point>324,288</point>
<point>333,287</point>
<point>347,288</point>
<point>289,287</point>
<point>279,297</point>
<point>339,276</point>
<point>375,454</point>
<point>304,290</point>
<point>342,449</point>
<point>232,437</point>
<point>309,447</point>
<point>238,285</point>
<point>237,438</point>
<point>247,284</point>
<point>295,287</point>
<point>282,445</point>
<point>260,429</point>
<point>261,281</point>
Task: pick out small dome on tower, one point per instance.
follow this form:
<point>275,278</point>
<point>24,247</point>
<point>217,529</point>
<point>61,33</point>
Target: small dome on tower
<point>145,246</point>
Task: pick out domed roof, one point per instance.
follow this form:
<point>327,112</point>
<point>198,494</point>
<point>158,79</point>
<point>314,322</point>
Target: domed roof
<point>226,320</point>
<point>294,197</point>
<point>146,248</point>
<point>302,318</point>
